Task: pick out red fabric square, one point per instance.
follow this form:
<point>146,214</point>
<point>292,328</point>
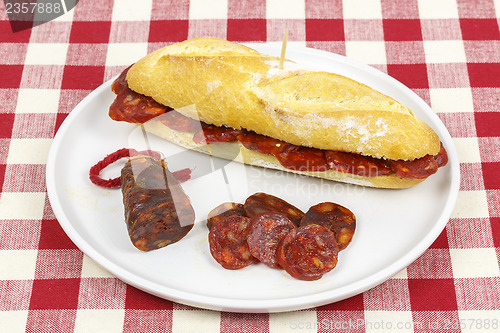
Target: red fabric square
<point>484,74</point>
<point>479,29</point>
<point>402,29</point>
<point>6,124</point>
<point>55,294</point>
<point>7,36</point>
<point>11,76</point>
<point>490,174</point>
<point>487,124</point>
<point>413,76</point>
<point>168,31</point>
<point>246,30</point>
<point>82,77</point>
<point>52,236</point>
<point>432,294</point>
<point>441,242</point>
<point>495,230</point>
<point>138,299</point>
<point>3,167</point>
<point>59,120</point>
<point>90,32</point>
<point>325,30</point>
<point>354,303</point>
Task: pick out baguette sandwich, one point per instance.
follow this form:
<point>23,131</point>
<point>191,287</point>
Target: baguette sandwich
<point>207,91</point>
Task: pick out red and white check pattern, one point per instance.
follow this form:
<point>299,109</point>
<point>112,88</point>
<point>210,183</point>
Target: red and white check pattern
<point>447,51</point>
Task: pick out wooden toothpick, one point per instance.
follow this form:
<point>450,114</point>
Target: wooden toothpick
<point>283,49</point>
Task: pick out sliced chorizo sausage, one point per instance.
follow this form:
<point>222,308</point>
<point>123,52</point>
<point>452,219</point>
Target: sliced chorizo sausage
<point>308,252</point>
<point>266,232</point>
<point>356,164</point>
<point>335,217</point>
<point>228,242</point>
<point>420,168</point>
<point>223,211</point>
<point>260,202</point>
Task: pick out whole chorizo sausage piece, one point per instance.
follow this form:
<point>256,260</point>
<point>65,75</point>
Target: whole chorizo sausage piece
<point>335,217</point>
<point>157,211</point>
<point>308,252</point>
<point>259,203</point>
<point>223,211</point>
<point>266,232</point>
<point>228,242</point>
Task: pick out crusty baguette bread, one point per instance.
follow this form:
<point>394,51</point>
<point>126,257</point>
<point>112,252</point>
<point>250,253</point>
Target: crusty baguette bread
<point>250,157</point>
<point>224,83</point>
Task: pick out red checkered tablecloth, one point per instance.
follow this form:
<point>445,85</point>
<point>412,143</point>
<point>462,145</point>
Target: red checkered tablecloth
<point>447,51</point>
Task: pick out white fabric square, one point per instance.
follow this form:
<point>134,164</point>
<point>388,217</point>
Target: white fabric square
<point>208,9</point>
<point>22,205</point>
<point>298,321</point>
<point>17,264</point>
<point>474,263</point>
<point>367,9</point>
<point>13,321</point>
<point>403,274</point>
<point>471,204</point>
<point>28,151</point>
<point>46,54</point>
<point>368,52</point>
<point>195,321</point>
<point>131,10</point>
<point>385,321</point>
<point>442,9</point>
<point>467,150</point>
<point>483,321</point>
<point>451,100</point>
<point>92,270</point>
<point>99,320</point>
<point>37,101</point>
<point>291,9</point>
<point>444,51</point>
<point>124,54</point>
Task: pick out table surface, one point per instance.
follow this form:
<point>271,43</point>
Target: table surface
<point>447,52</point>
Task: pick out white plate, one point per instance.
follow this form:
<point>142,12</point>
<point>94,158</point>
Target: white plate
<point>394,226</point>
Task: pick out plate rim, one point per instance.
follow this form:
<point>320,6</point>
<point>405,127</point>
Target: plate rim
<point>270,305</point>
